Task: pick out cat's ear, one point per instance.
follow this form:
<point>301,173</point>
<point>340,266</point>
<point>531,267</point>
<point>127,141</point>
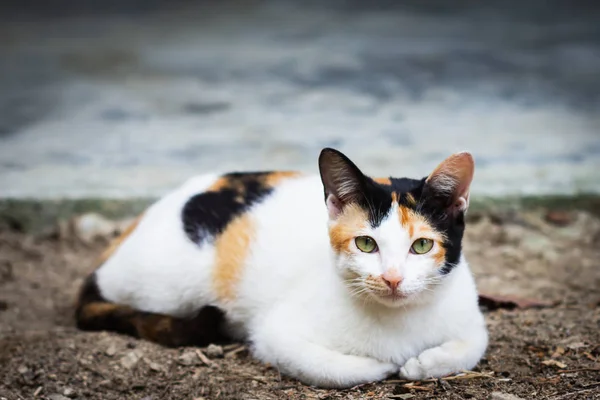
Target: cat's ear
<point>342,180</point>
<point>450,183</point>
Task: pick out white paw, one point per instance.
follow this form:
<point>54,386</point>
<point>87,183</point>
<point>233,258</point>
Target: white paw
<point>356,371</point>
<point>432,363</point>
<point>381,370</point>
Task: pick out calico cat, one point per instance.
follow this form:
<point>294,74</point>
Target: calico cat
<point>336,280</point>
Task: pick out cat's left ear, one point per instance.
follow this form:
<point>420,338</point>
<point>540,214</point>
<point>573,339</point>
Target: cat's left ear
<point>450,183</point>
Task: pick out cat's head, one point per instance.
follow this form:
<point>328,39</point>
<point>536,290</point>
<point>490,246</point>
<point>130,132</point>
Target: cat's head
<point>395,239</point>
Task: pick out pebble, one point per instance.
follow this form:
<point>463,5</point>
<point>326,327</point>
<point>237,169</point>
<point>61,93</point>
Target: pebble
<point>504,396</point>
<point>131,359</point>
<point>57,396</point>
<point>188,358</point>
<point>214,351</point>
<point>22,369</point>
<point>68,392</point>
<point>156,367</point>
<point>111,351</point>
<point>89,226</point>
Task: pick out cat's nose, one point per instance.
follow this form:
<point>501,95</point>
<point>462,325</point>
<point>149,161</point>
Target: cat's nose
<point>392,279</point>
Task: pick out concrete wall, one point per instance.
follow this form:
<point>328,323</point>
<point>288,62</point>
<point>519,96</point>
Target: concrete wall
<point>121,99</point>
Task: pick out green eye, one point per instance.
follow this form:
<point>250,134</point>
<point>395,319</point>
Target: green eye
<point>366,244</point>
<point>421,246</point>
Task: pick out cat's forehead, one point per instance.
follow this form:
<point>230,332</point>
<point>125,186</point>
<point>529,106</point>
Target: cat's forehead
<point>401,194</point>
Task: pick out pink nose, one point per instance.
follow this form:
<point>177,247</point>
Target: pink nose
<point>393,280</point>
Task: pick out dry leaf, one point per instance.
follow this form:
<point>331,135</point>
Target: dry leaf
<point>554,363</point>
<point>495,302</point>
<point>558,352</point>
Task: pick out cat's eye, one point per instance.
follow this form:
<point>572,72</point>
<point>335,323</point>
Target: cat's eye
<point>421,246</point>
<point>366,244</point>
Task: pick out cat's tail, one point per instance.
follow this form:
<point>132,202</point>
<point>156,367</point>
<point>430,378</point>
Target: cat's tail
<point>94,313</point>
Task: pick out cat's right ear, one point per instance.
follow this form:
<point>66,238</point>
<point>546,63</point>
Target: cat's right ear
<point>342,180</point>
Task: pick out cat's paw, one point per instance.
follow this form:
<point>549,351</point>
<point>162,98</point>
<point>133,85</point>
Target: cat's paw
<point>355,371</point>
<point>432,363</point>
<point>381,370</point>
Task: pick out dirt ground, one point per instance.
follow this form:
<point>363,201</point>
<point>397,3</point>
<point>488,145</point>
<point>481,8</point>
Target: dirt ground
<point>546,352</point>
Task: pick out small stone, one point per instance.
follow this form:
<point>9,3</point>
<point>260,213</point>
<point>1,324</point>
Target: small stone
<point>6,271</point>
<point>131,359</point>
<point>536,243</point>
<point>88,227</point>
<point>188,358</point>
<point>23,370</point>
<point>112,350</point>
<point>576,345</point>
<point>214,351</point>
<point>156,367</point>
<point>57,396</point>
<point>504,396</point>
<point>69,392</point>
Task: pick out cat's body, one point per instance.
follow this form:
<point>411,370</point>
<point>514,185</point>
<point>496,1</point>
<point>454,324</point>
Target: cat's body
<point>254,253</point>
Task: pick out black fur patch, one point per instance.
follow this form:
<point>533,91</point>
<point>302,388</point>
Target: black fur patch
<point>207,214</point>
<point>376,200</point>
<point>436,207</point>
<point>94,313</point>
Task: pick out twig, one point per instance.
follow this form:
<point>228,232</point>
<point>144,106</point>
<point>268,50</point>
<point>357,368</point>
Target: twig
<point>464,375</point>
<point>256,378</point>
<point>590,385</point>
<point>235,351</point>
<point>562,396</point>
<point>91,369</point>
<point>231,346</point>
<point>203,358</point>
<point>416,387</point>
<point>579,370</point>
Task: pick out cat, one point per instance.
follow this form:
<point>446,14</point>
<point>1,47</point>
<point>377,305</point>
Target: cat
<point>335,279</point>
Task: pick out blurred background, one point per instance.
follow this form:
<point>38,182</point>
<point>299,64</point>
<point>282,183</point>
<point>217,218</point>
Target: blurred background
<point>123,98</point>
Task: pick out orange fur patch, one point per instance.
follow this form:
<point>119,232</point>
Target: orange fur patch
<point>276,178</point>
<point>153,327</point>
<point>351,221</point>
<point>440,255</point>
<point>93,310</point>
<point>383,181</point>
<point>116,243</point>
<point>406,216</point>
<point>410,199</point>
<point>270,180</point>
<point>219,184</point>
<point>232,248</point>
<point>419,227</point>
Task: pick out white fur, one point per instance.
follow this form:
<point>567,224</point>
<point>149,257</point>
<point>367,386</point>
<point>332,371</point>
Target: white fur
<point>293,302</point>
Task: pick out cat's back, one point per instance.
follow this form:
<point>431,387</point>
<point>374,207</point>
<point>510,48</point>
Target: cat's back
<point>195,245</point>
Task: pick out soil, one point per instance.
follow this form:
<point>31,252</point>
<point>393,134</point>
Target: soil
<point>548,352</point>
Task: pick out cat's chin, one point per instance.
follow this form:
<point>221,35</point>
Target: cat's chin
<point>392,300</point>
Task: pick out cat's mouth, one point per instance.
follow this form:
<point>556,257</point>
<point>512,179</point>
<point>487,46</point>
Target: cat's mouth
<point>394,296</point>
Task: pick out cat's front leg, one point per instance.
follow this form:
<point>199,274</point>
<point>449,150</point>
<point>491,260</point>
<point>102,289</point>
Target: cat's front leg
<point>297,356</point>
<point>449,358</point>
